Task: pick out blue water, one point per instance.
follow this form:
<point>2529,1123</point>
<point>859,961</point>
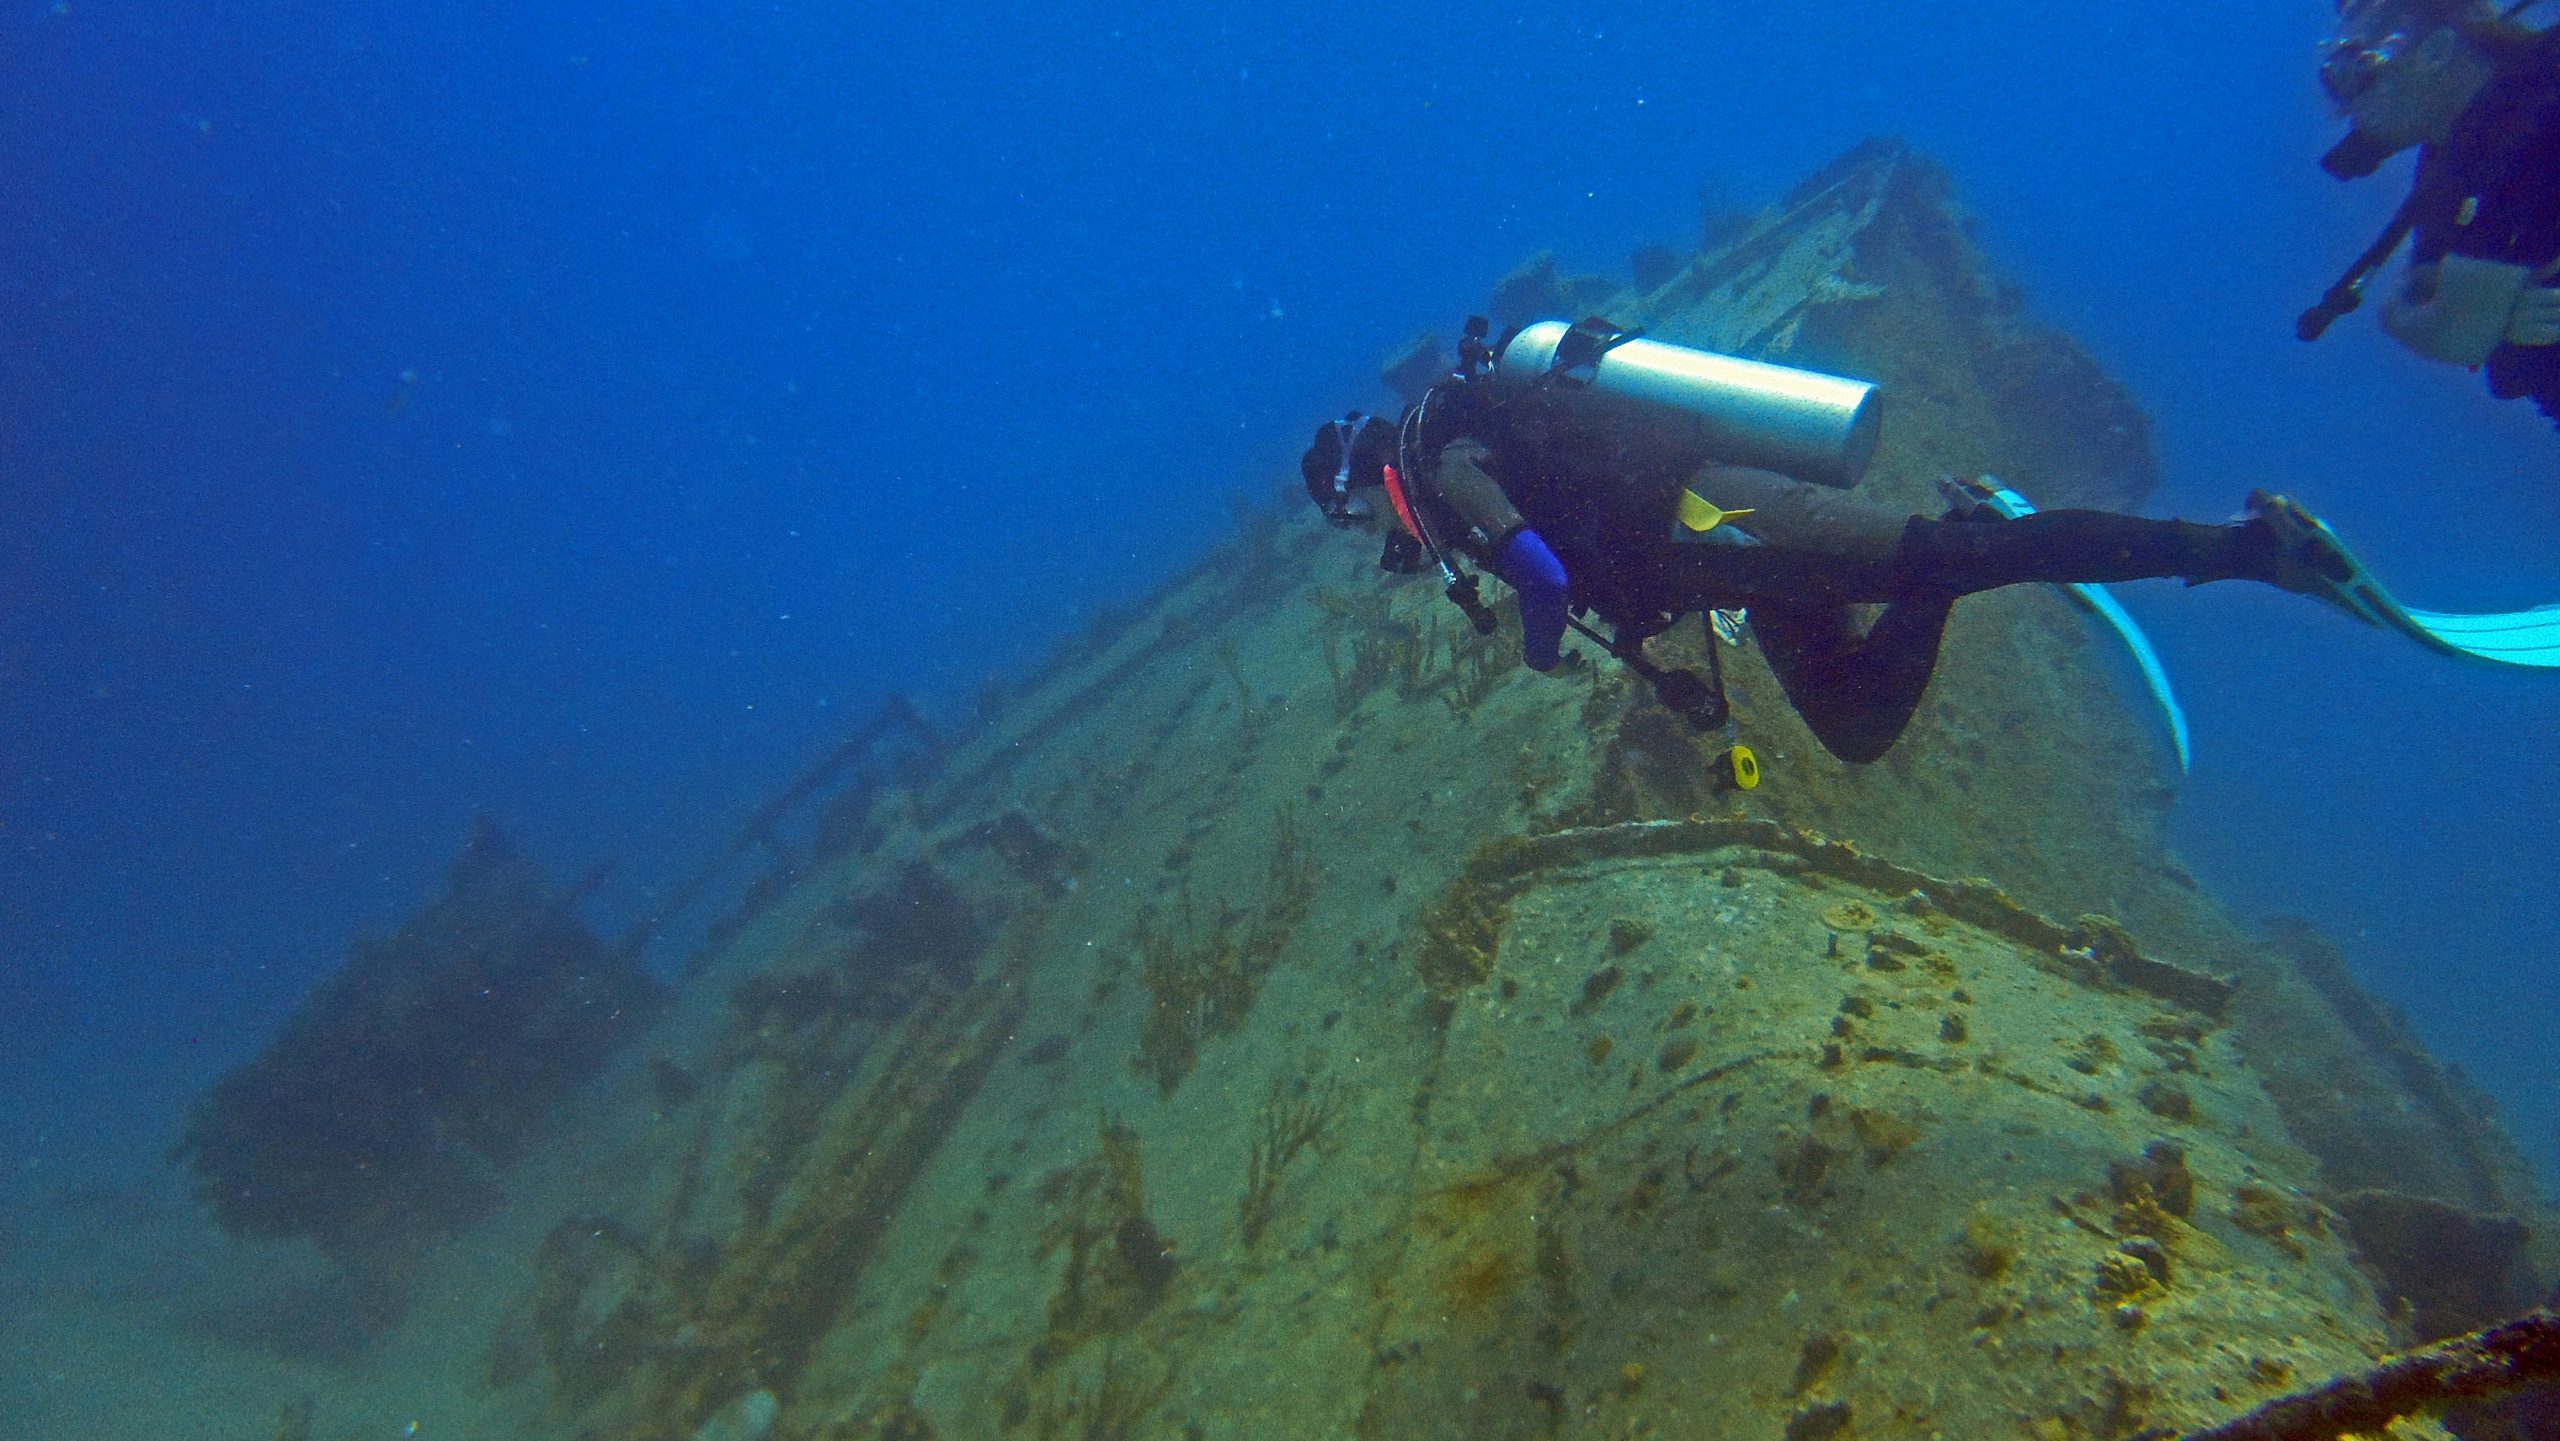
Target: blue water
<point>583,412</point>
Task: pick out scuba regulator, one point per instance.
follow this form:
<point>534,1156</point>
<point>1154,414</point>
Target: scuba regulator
<point>1475,358</point>
<point>1462,588</point>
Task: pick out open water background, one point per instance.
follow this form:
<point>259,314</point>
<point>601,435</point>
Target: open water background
<point>585,412</point>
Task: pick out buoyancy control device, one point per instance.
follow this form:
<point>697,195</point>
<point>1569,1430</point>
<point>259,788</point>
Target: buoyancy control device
<point>1801,423</point>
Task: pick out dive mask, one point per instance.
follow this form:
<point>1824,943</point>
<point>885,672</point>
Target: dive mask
<point>2348,67</point>
<point>2401,70</point>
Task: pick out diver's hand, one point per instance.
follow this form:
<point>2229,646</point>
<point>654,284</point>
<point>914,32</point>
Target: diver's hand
<point>1530,568</point>
<point>2456,310</point>
<point>2536,320</point>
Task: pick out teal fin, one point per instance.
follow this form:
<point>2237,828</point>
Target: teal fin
<point>2520,637</point>
<point>2329,571</point>
<point>1990,492</point>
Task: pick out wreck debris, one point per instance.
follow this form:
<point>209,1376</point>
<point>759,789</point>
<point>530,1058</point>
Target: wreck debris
<point>1118,1263</point>
<point>1538,287</point>
<point>601,1305</point>
<point>2093,953</point>
<point>1461,932</point>
<point>767,1300</point>
<point>868,754</point>
<point>921,927</point>
<point>2453,1268</point>
<point>382,1115</point>
<point>2481,1365</point>
<point>1030,851</point>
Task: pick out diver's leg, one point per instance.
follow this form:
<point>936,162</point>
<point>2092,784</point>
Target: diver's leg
<point>1855,692</point>
<point>1815,543</point>
<point>2084,546</point>
<point>1786,542</point>
<point>1796,515</point>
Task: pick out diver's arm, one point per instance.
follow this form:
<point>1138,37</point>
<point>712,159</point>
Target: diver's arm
<point>1531,569</point>
<point>1459,477</point>
<point>1517,553</point>
<point>2457,309</point>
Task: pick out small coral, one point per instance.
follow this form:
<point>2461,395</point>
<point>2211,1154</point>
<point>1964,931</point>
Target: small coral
<point>2168,1101</point>
<point>2119,1277</point>
<point>2107,938</point>
<point>1987,1247</point>
<point>2153,1256</point>
<point>1802,1165</point>
<point>1818,1423</point>
<point>1201,981</point>
<point>1597,986</point>
<point>2094,1054</point>
<point>2160,1178</point>
<point>1294,1116</point>
<point>2268,1216</point>
<point>1479,1280</point>
<point>1894,951</point>
<point>1850,916</point>
<point>1813,1362</point>
<point>1198,986</point>
<point>1882,1136</point>
<point>1460,933</point>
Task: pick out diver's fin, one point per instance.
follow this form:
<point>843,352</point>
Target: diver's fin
<point>1978,498</point>
<point>2312,561</point>
<point>2520,637</point>
<point>1987,493</point>
<point>2319,564</point>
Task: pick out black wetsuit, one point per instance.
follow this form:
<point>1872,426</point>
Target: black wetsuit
<point>2490,190</point>
<point>1606,504</point>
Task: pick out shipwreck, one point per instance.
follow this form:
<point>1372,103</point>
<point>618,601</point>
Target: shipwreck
<point>1283,1016</point>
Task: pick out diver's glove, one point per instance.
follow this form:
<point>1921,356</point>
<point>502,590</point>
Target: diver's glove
<point>2536,320</point>
<point>1529,567</point>
<point>2457,309</point>
<point>1403,554</point>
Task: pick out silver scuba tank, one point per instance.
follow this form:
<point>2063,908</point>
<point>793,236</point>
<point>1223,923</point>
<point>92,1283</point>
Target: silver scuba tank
<point>1801,423</point>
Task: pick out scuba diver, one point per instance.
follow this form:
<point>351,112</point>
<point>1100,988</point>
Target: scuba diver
<point>1598,473</point>
<point>2479,93</point>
